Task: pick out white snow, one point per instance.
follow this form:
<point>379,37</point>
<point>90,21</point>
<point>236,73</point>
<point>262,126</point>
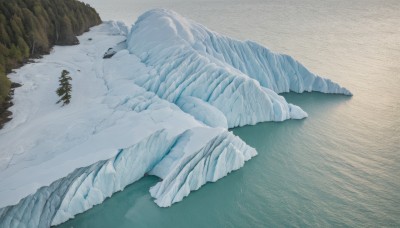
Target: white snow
<point>161,105</point>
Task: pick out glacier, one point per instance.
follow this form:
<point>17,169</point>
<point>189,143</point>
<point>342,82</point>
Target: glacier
<point>88,186</point>
<point>190,60</point>
<point>161,105</point>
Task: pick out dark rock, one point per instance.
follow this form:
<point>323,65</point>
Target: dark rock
<point>15,85</point>
<point>109,53</point>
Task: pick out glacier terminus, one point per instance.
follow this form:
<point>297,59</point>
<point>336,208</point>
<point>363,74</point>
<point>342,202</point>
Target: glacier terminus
<point>161,105</point>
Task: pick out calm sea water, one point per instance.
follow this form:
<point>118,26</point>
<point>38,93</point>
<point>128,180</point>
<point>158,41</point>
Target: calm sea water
<point>339,167</point>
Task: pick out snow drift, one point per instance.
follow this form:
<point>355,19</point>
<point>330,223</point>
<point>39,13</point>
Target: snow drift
<point>161,105</point>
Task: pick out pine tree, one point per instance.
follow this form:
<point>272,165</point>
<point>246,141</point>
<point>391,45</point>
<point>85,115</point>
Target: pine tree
<point>64,91</point>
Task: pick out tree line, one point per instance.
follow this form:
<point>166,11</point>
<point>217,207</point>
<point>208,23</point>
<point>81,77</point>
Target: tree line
<point>29,28</point>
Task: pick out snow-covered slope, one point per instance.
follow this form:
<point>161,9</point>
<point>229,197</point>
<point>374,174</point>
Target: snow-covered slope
<point>161,106</point>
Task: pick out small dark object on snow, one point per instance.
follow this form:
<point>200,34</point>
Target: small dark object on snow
<point>109,53</point>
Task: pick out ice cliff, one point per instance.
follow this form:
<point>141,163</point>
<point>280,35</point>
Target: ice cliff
<point>218,154</point>
<point>239,79</point>
<point>161,105</point>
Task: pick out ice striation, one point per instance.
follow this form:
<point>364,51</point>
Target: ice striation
<point>220,153</point>
<point>240,79</point>
<point>163,41</point>
<point>278,72</point>
<point>159,104</point>
<point>191,167</point>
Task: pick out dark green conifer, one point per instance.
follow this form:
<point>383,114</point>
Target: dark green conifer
<point>65,89</point>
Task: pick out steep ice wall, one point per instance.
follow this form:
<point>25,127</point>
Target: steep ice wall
<point>240,79</point>
<point>190,167</point>
<point>128,166</point>
<point>86,186</point>
<point>217,153</point>
<point>278,72</point>
<point>163,41</point>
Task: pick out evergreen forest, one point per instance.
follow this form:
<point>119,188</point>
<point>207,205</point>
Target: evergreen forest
<point>29,29</point>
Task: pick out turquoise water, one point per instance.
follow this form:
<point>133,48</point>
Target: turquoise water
<point>338,167</point>
<point>323,178</point>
